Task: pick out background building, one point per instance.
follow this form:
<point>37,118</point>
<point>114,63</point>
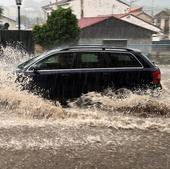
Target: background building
<point>139,13</point>
<point>11,22</point>
<point>115,32</point>
<point>88,8</point>
<point>131,18</point>
<point>162,20</point>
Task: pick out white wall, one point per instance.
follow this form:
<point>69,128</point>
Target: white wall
<point>93,8</point>
<point>139,22</point>
<point>103,7</point>
<point>12,24</point>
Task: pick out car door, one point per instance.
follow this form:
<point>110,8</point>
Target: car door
<point>123,70</point>
<point>53,76</point>
<point>89,75</point>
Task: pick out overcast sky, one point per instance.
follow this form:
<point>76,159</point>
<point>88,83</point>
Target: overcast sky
<point>30,8</point>
<point>25,2</point>
<point>36,4</point>
<point>33,7</point>
<point>162,3</point>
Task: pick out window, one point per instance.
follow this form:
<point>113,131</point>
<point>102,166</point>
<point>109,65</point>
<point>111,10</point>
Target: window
<point>57,61</point>
<point>26,63</point>
<point>158,22</point>
<point>88,60</point>
<point>106,60</point>
<point>121,60</point>
<point>166,28</point>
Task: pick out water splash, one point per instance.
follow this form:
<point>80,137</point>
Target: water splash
<point>136,105</point>
<point>10,55</point>
<point>15,101</point>
<point>92,109</point>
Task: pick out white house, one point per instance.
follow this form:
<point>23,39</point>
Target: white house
<point>162,20</point>
<point>140,22</point>
<point>89,8</point>
<point>11,22</point>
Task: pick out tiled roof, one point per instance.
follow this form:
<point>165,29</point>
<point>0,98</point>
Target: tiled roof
<point>164,12</point>
<point>133,10</point>
<point>138,11</point>
<point>89,21</point>
<point>85,22</point>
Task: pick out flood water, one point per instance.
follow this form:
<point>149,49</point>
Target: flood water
<point>97,131</point>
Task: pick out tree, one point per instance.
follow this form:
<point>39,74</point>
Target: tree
<point>61,27</point>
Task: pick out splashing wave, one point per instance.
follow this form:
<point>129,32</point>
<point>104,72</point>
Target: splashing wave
<point>94,109</point>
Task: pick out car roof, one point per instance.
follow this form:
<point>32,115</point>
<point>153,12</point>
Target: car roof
<point>91,48</point>
<point>98,47</point>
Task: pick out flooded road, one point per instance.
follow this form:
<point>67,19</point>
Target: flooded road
<point>96,132</point>
<point>58,146</point>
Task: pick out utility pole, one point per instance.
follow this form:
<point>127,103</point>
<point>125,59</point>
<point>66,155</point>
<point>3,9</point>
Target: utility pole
<point>82,8</point>
<point>152,10</point>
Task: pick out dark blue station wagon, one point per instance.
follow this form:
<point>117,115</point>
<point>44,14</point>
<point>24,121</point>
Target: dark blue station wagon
<point>69,72</point>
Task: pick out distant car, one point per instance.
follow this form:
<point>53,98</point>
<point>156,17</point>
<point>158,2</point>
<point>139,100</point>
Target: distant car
<point>69,72</point>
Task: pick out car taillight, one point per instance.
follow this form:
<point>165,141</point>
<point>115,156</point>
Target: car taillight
<point>156,77</point>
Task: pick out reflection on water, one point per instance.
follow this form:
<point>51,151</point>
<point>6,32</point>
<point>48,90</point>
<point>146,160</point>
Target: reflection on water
<point>96,109</point>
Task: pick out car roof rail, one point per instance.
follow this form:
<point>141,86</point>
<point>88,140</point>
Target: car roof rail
<point>96,47</point>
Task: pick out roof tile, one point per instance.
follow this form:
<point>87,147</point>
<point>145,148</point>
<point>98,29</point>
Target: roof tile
<point>85,22</point>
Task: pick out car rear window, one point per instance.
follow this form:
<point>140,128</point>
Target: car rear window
<point>121,60</point>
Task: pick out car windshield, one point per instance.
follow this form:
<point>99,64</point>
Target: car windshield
<point>21,66</point>
<point>33,59</point>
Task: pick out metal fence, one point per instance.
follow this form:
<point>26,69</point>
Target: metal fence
<point>20,39</point>
<point>158,52</point>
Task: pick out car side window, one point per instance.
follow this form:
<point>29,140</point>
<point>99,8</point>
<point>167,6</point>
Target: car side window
<point>106,60</point>
<point>121,60</point>
<point>88,60</point>
<point>57,61</point>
